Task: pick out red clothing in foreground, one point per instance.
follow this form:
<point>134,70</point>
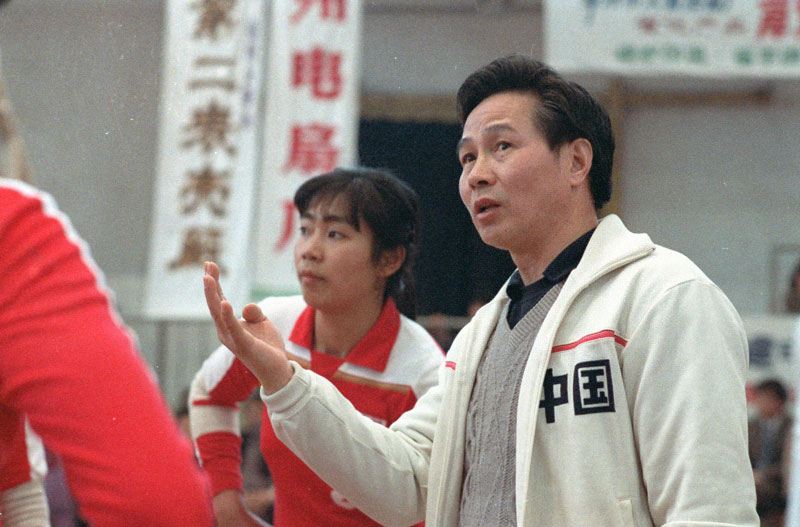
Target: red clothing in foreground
<point>68,365</point>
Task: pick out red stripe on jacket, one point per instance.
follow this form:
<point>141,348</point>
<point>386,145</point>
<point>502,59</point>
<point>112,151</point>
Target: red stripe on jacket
<point>605,334</point>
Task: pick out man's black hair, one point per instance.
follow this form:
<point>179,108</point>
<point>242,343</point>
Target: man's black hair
<point>775,387</point>
<point>566,111</point>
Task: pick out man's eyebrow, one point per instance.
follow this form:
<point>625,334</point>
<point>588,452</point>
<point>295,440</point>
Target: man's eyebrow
<point>460,144</point>
<point>499,127</point>
<point>491,129</point>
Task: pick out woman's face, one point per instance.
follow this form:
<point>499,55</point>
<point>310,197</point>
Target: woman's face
<point>334,261</point>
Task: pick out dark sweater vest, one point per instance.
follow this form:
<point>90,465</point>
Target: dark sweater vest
<point>488,491</point>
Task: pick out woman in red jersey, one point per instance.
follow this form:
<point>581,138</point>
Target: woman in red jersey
<point>358,232</point>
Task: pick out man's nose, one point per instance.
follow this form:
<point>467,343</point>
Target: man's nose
<point>481,173</point>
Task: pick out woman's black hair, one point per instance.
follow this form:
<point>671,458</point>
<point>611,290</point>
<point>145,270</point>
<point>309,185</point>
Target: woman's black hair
<point>391,209</point>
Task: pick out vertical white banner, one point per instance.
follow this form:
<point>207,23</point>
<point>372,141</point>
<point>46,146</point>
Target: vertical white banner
<point>207,155</point>
<point>311,121</point>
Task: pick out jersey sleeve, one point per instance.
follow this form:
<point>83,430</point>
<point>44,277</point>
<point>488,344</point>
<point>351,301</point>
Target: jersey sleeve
<point>70,367</point>
<point>22,456</point>
<point>432,360</point>
<point>22,470</point>
<point>216,391</point>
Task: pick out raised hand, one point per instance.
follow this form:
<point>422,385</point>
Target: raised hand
<point>253,339</point>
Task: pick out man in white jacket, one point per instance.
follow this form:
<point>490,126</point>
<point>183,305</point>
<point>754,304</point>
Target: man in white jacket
<point>602,386</point>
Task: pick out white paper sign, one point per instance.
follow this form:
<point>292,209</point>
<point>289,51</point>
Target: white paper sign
<point>207,159</point>
<point>704,38</point>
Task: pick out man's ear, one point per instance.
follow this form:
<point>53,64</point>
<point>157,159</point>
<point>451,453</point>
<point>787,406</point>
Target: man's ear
<point>391,260</point>
<point>580,160</point>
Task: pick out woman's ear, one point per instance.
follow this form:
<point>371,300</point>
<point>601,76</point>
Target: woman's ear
<point>391,260</point>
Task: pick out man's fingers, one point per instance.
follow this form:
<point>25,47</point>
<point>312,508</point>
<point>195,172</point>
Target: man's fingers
<point>252,313</point>
<point>240,338</point>
<point>212,296</point>
<point>212,270</point>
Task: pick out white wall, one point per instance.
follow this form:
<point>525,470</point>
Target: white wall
<point>721,184</point>
<point>83,78</point>
<point>432,53</point>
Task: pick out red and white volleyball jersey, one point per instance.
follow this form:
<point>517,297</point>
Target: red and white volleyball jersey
<point>72,371</point>
<point>383,376</point>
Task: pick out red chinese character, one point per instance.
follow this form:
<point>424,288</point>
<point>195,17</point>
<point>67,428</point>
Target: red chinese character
<point>774,17</point>
<point>287,233</point>
<point>331,9</point>
<point>311,149</point>
<point>320,69</point>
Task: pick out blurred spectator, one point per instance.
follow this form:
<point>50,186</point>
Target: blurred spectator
<point>793,293</point>
<point>181,413</point>
<point>475,304</point>
<point>259,493</point>
<point>769,433</point>
<point>63,511</point>
<point>439,327</point>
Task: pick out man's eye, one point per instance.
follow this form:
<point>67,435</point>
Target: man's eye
<point>335,234</point>
<point>303,230</point>
<point>467,158</point>
<point>503,145</point>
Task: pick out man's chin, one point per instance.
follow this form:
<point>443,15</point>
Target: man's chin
<point>491,237</point>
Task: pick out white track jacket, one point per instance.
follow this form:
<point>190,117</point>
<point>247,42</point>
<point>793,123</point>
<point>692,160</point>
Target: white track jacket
<point>631,412</point>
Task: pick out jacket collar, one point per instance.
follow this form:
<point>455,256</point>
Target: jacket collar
<point>372,351</point>
<point>612,246</point>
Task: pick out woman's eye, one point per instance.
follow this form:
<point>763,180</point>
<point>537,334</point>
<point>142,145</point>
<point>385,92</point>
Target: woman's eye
<point>303,230</point>
<point>503,145</point>
<point>467,158</point>
<point>335,234</point>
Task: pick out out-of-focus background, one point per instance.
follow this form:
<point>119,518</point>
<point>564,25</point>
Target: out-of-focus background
<point>105,105</point>
<point>710,167</point>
